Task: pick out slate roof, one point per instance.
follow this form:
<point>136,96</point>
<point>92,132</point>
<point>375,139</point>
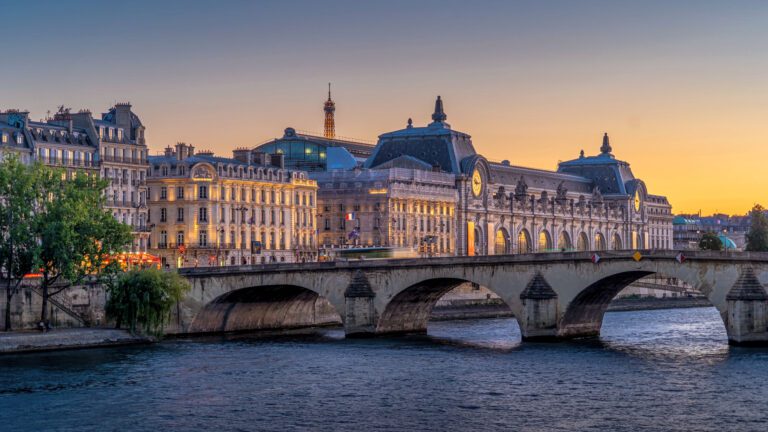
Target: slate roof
<point>539,179</point>
<point>612,176</point>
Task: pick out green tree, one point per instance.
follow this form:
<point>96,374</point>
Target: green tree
<point>18,245</point>
<point>76,236</point>
<point>710,241</point>
<point>757,237</point>
<point>143,299</point>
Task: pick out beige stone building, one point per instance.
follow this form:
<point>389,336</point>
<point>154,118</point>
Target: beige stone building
<point>206,210</point>
<point>403,207</point>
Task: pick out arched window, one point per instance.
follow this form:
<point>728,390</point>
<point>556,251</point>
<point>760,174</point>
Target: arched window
<point>501,244</point>
<point>599,242</point>
<point>583,243</point>
<point>545,241</point>
<point>478,241</point>
<point>617,245</point>
<point>564,242</point>
<point>640,242</point>
<point>523,242</point>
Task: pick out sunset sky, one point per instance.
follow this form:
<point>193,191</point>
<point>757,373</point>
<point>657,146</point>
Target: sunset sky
<point>681,87</point>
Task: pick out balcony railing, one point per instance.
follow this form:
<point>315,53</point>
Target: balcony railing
<point>121,159</point>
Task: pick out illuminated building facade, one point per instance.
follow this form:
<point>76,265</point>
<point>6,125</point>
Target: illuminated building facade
<point>206,210</point>
<point>428,186</point>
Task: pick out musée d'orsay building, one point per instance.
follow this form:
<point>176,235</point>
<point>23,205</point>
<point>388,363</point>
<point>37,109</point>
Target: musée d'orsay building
<point>428,187</point>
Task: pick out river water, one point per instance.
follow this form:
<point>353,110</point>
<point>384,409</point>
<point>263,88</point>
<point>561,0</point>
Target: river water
<point>665,370</point>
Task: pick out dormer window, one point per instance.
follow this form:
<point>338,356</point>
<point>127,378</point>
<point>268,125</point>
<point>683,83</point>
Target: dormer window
<point>19,139</point>
<point>119,134</point>
<point>5,138</point>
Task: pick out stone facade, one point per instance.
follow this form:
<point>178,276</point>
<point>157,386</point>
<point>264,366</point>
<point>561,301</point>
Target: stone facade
<point>206,210</point>
<point>428,186</point>
<point>112,147</point>
<point>401,207</point>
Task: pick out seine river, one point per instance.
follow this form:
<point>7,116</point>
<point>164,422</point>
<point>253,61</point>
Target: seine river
<point>666,370</point>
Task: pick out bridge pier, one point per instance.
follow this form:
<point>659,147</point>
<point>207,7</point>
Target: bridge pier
<point>747,311</point>
<point>539,318</point>
<point>360,314</point>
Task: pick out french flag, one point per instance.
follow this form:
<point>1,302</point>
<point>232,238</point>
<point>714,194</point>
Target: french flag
<point>350,216</point>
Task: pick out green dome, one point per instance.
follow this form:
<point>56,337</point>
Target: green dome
<point>728,244</point>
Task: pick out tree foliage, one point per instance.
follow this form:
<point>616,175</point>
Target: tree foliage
<point>19,192</point>
<point>76,236</point>
<point>143,299</point>
<point>55,225</point>
<point>710,241</point>
<point>757,237</point>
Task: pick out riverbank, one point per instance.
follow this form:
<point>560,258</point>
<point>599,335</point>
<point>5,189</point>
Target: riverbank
<point>495,308</point>
<point>650,303</point>
<point>71,338</point>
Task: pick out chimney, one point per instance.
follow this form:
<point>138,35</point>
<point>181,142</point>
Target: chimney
<point>181,151</point>
<point>123,115</point>
<point>242,154</point>
<point>169,152</point>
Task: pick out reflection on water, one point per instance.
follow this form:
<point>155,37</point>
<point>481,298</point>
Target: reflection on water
<point>668,370</point>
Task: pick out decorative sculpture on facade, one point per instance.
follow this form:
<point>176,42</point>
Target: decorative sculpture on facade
<point>521,189</point>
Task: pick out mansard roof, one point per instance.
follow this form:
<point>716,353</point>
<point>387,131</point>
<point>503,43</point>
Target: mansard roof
<point>436,144</point>
<point>612,176</point>
<point>109,117</point>
<point>405,161</point>
<point>538,178</point>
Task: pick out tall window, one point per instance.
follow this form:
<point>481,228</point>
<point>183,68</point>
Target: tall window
<point>164,238</point>
<point>180,192</point>
<point>180,238</point>
<point>163,215</point>
<point>203,214</point>
<point>163,192</point>
<point>202,192</point>
<point>203,238</point>
<point>180,214</point>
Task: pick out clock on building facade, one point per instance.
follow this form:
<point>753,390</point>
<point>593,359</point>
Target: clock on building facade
<point>477,183</point>
<point>637,201</point>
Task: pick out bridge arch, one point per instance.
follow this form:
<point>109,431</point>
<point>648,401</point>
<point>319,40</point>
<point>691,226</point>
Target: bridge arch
<point>264,308</point>
<point>409,309</point>
<point>584,312</point>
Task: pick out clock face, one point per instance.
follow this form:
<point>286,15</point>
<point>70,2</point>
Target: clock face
<point>477,183</point>
<point>637,201</point>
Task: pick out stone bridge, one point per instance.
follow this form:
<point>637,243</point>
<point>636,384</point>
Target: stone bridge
<point>552,295</point>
